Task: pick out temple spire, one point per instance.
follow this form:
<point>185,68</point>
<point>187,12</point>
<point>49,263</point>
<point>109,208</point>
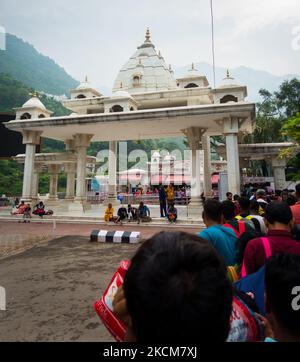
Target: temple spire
<point>193,67</point>
<point>228,75</point>
<point>147,42</point>
<point>147,36</point>
<point>34,94</point>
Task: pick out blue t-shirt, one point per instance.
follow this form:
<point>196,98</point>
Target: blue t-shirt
<point>224,240</point>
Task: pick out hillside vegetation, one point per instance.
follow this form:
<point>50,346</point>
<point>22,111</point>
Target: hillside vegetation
<point>24,63</point>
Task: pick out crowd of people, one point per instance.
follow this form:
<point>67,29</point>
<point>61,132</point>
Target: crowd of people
<point>168,209</point>
<point>236,280</point>
<point>131,213</point>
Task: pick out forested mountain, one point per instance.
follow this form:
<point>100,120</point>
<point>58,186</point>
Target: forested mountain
<point>14,93</point>
<point>24,63</point>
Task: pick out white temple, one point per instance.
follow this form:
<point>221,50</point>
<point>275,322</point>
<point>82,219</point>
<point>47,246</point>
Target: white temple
<point>147,103</point>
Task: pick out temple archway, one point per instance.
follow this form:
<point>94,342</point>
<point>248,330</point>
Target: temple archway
<point>191,85</point>
<point>116,108</point>
<point>228,98</point>
<point>25,116</point>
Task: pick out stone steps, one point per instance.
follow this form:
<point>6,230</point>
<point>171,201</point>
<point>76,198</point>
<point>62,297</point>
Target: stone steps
<point>95,220</point>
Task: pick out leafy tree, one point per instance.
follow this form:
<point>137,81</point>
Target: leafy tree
<point>11,178</point>
<point>268,117</point>
<point>288,97</point>
<point>276,119</point>
<point>291,130</point>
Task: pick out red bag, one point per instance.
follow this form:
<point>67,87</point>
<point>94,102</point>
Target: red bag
<point>104,306</point>
<point>244,325</point>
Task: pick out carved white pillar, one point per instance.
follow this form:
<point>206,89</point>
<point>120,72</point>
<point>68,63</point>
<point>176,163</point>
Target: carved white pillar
<point>31,139</point>
<point>70,170</point>
<point>82,141</point>
<point>54,171</point>
<point>194,135</point>
<point>206,166</point>
<point>278,167</point>
<point>35,182</point>
<point>112,172</point>
<point>231,128</point>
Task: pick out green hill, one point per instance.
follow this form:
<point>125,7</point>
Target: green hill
<point>25,64</point>
<point>14,93</point>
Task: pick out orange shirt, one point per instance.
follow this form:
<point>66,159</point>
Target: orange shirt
<point>296,212</point>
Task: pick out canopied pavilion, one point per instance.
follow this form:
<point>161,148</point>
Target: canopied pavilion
<point>147,103</point>
<point>54,163</point>
<point>270,152</point>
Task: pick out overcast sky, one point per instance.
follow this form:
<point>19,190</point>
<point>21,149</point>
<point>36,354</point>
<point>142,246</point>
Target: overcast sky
<point>96,37</point>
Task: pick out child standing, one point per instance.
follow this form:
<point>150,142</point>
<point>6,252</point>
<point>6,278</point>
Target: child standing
<point>27,213</point>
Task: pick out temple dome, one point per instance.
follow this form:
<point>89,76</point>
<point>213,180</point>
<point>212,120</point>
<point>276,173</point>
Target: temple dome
<point>145,71</point>
<point>228,81</point>
<point>84,85</point>
<point>33,102</point>
<point>193,72</point>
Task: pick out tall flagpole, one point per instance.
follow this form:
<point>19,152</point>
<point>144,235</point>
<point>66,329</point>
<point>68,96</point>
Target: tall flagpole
<point>213,41</point>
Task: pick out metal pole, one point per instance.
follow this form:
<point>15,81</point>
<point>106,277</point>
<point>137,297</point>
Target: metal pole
<point>213,41</point>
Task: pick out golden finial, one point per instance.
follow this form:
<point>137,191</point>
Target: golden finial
<point>34,94</point>
<point>147,36</point>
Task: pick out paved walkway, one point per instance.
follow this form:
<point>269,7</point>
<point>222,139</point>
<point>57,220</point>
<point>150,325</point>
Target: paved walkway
<point>51,287</point>
<point>65,229</point>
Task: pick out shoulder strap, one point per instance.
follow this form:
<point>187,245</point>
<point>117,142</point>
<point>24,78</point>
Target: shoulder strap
<point>232,274</point>
<point>267,247</point>
<point>242,226</point>
<point>237,234</point>
<point>243,271</point>
<point>268,252</point>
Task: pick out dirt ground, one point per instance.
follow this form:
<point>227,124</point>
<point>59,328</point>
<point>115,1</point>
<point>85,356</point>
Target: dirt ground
<point>51,287</point>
